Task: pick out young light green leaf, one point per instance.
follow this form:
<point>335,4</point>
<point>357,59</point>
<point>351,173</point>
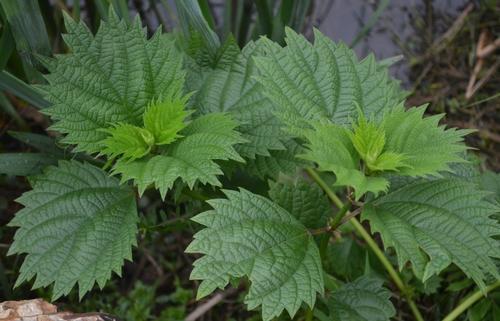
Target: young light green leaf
<point>310,81</point>
<point>368,139</point>
<point>108,78</point>
<point>77,226</point>
<point>248,235</point>
<point>128,141</point>
<point>330,146</point>
<point>428,148</point>
<point>165,119</point>
<point>388,161</point>
<point>305,201</point>
<point>448,219</point>
<point>362,300</point>
<point>190,158</point>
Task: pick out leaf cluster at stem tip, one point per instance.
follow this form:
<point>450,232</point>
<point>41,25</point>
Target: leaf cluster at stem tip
<point>163,119</point>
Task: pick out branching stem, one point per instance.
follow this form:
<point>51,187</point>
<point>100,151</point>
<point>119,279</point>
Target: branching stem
<point>371,243</point>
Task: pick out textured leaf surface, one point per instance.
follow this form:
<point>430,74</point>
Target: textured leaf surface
<point>278,162</point>
<point>447,219</point>
<point>190,158</point>
<point>165,118</point>
<point>77,226</point>
<point>305,201</point>
<point>108,78</point>
<point>310,81</point>
<point>231,87</point>
<point>362,300</point>
<point>490,181</point>
<point>345,258</point>
<point>248,235</point>
<point>428,148</point>
<point>128,141</point>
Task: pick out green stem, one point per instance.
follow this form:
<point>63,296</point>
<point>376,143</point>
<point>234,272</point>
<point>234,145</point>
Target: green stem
<point>340,215</point>
<point>371,243</point>
<point>467,303</point>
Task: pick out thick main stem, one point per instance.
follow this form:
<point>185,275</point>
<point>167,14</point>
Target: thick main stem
<point>371,243</point>
<point>467,303</point>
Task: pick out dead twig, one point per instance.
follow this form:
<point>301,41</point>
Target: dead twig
<point>491,71</point>
<point>442,42</point>
<point>481,43</point>
<point>206,306</point>
<point>489,49</point>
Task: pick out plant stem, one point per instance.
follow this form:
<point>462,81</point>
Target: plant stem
<point>340,215</point>
<point>331,195</point>
<point>371,243</point>
<point>467,303</point>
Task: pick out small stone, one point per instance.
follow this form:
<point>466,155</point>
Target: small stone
<point>39,310</point>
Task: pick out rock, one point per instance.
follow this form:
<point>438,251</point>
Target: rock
<point>39,310</point>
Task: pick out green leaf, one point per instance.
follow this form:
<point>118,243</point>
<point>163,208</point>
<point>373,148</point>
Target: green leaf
<point>368,139</point>
<point>403,142</point>
<point>108,78</point>
<point>77,226</point>
<point>278,162</point>
<point>362,300</point>
<point>388,161</point>
<point>490,181</point>
<point>323,80</point>
<point>305,201</point>
<point>190,158</point>
<point>165,119</point>
<point>25,164</point>
<point>448,219</point>
<point>248,235</point>
<point>231,87</point>
<point>330,146</point>
<point>428,148</point>
<point>128,141</point>
<point>346,258</point>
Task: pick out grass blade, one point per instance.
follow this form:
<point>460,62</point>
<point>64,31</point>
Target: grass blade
<point>7,44</point>
<point>76,10</point>
<point>29,33</point>
<point>265,17</point>
<point>121,8</point>
<point>207,13</point>
<point>25,164</point>
<point>102,8</point>
<point>7,107</point>
<point>17,87</point>
<point>42,143</point>
<point>301,10</point>
<point>191,19</point>
<point>371,22</point>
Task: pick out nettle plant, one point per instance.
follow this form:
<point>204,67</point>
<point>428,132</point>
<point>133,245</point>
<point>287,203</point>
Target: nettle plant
<point>311,119</point>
